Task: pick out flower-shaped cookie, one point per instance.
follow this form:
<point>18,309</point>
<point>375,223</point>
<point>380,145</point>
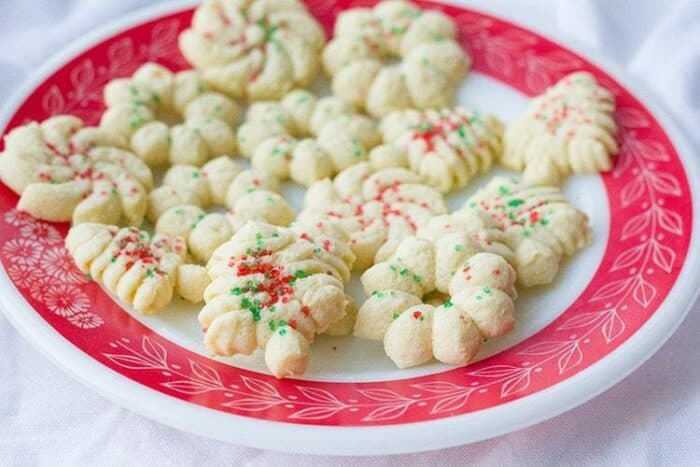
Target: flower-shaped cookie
<point>567,129</point>
<point>249,194</point>
<point>66,172</point>
<point>464,265</point>
<point>178,206</point>
<point>447,148</point>
<point>432,63</point>
<point>539,223</point>
<point>139,106</point>
<point>275,288</point>
<point>376,209</point>
<point>141,270</point>
<point>276,136</point>
<point>259,49</point>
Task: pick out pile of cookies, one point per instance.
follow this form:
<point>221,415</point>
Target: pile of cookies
<point>378,156</point>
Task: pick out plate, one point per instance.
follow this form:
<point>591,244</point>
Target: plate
<point>612,307</point>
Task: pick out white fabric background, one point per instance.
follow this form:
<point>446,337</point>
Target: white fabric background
<point>651,418</point>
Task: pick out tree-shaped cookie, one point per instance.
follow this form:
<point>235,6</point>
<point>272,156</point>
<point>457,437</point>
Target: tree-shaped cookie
<point>447,148</point>
<point>431,66</point>
<point>259,49</point>
<point>142,271</point>
<point>539,223</point>
<point>567,129</point>
<point>377,209</point>
<point>64,171</point>
<point>275,288</point>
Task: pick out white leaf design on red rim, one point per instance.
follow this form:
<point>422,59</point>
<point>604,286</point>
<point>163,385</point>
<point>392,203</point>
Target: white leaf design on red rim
<point>517,384</point>
<point>630,117</point>
<point>496,371</point>
<point>629,257</point>
<point>316,413</point>
<point>572,357</point>
<point>632,191</point>
<point>205,373</point>
<point>387,412</point>
<point>581,320</point>
<point>261,388</point>
<point>452,403</point>
<point>53,102</point>
<point>318,395</point>
<point>439,387</point>
<point>669,220</point>
<point>663,256</point>
<point>543,348</point>
<point>382,395</point>
<point>644,292</point>
<point>611,289</point>
<point>188,386</point>
<point>613,327</point>
<point>250,404</point>
<point>636,225</point>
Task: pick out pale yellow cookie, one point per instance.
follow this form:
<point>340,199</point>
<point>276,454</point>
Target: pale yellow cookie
<point>568,129</point>
<point>142,271</point>
<point>259,49</point>
<point>305,138</point>
<point>431,66</point>
<point>64,171</point>
<point>274,288</point>
<point>376,209</point>
<point>136,106</point>
<point>447,148</point>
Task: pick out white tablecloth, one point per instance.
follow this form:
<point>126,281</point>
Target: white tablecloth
<point>651,418</point>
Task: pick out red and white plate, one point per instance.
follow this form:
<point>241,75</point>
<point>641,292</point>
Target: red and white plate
<point>612,307</point>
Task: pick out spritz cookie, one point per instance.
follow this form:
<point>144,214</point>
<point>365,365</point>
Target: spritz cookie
<point>258,49</point>
<point>568,129</point>
<point>143,271</point>
<point>431,67</point>
<point>275,288</point>
<point>467,267</point>
<point>64,171</point>
<point>139,106</point>
<point>539,223</point>
<point>377,209</point>
<point>447,148</point>
<point>222,182</point>
<point>306,138</point>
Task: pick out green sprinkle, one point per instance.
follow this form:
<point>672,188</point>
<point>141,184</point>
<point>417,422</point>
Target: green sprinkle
<point>395,315</point>
<point>236,291</point>
<point>448,304</point>
<point>459,247</point>
<point>515,202</point>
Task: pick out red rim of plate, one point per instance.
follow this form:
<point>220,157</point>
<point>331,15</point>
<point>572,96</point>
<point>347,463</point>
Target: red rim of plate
<point>649,200</point>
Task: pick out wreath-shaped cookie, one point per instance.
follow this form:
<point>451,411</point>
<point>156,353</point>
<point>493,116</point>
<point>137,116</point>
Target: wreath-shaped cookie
<point>275,288</point>
<point>138,108</point>
<point>259,49</point>
<point>447,148</point>
<point>178,206</point>
<point>305,138</point>
<point>431,65</point>
<point>64,171</point>
<point>568,129</point>
<point>143,271</point>
<point>377,209</point>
